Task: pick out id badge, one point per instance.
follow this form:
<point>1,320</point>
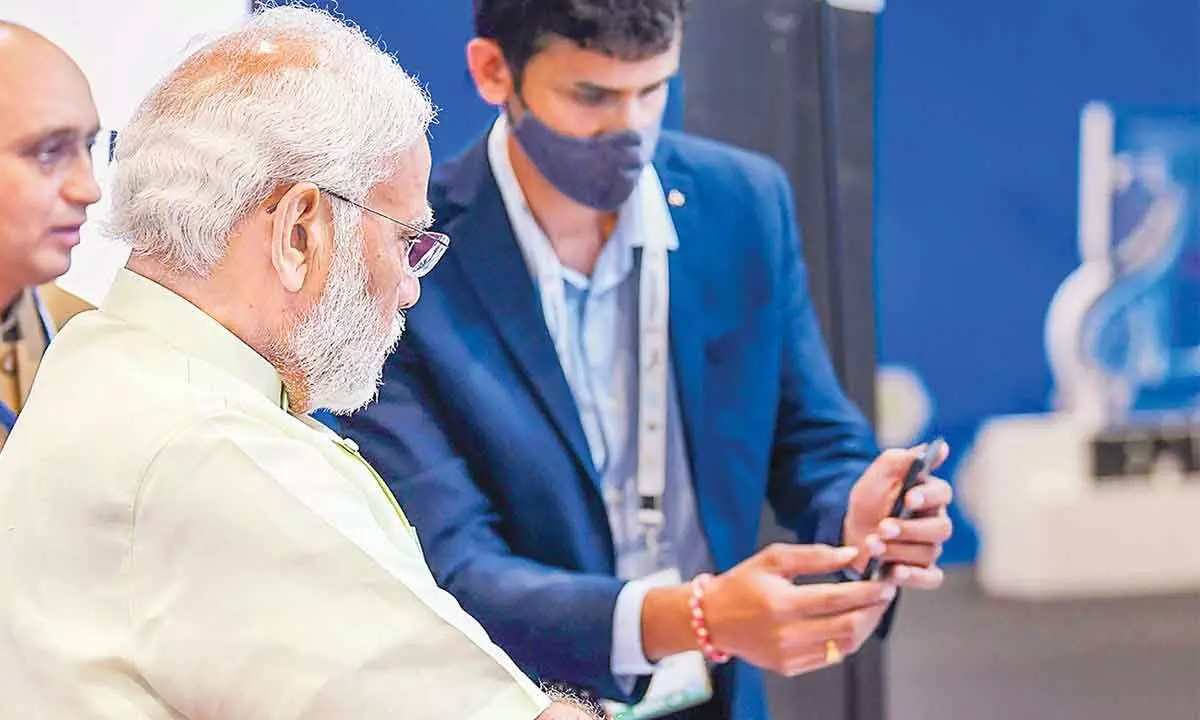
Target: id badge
<point>679,681</point>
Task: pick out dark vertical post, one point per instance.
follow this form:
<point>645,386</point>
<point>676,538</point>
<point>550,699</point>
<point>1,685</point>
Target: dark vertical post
<point>795,79</point>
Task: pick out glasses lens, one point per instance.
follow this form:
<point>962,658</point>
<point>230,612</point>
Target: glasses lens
<point>425,251</point>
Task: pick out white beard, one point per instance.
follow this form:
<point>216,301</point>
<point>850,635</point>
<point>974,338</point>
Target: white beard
<point>341,346</point>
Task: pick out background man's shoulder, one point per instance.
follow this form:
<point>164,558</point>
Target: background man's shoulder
<point>713,159</point>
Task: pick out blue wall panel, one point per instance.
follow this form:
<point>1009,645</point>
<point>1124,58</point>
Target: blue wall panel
<point>978,174</point>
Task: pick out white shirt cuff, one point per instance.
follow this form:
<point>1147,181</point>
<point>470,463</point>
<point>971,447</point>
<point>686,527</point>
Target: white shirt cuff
<point>628,655</point>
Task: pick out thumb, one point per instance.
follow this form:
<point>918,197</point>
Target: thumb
<point>790,561</point>
<point>888,470</point>
<point>943,452</point>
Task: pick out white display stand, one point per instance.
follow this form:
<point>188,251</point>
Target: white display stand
<point>1048,529</point>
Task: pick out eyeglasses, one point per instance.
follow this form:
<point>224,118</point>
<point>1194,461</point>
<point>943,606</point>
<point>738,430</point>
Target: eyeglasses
<point>425,247</point>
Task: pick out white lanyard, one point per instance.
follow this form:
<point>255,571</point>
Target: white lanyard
<point>653,363</point>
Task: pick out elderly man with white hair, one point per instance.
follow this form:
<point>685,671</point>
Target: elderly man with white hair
<point>179,539</point>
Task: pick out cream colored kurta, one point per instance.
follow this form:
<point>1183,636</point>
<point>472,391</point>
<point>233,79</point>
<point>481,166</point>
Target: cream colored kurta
<point>175,544</point>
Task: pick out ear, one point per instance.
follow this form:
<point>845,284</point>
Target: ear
<point>489,69</point>
<point>301,237</point>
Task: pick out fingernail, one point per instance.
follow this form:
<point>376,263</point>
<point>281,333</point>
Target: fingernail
<point>875,546</point>
<point>901,573</point>
<point>916,499</point>
<point>888,592</point>
<point>846,554</point>
<point>889,529</point>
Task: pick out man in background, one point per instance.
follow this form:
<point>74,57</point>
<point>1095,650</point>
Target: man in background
<point>618,366</point>
<point>48,122</point>
<point>181,539</point>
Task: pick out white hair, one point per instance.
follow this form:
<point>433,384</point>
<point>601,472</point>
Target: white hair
<point>293,94</point>
<point>338,349</point>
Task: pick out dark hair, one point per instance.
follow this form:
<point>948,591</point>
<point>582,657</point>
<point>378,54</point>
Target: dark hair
<point>625,29</point>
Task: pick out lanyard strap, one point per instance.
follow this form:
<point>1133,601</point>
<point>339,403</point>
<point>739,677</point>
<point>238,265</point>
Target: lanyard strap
<point>653,340</point>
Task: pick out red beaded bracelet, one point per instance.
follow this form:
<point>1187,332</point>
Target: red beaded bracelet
<point>699,626</point>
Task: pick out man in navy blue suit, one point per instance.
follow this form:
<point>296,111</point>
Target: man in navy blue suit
<point>613,371</point>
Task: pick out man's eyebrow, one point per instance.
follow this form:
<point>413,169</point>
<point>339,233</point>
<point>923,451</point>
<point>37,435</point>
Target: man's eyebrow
<point>44,134</point>
<point>647,89</point>
<point>591,87</point>
<point>55,134</point>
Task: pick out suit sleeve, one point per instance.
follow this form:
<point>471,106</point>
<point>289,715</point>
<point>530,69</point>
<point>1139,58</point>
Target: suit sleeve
<point>822,442</point>
<point>557,624</point>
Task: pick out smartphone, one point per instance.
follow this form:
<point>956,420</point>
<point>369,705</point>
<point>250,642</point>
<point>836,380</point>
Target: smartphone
<point>917,473</point>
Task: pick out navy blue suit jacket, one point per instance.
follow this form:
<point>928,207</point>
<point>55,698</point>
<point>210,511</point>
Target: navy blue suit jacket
<point>477,433</point>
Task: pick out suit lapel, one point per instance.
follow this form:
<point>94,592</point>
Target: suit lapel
<point>19,359</point>
<point>687,315</point>
<point>486,252</point>
<point>34,339</point>
<point>693,311</point>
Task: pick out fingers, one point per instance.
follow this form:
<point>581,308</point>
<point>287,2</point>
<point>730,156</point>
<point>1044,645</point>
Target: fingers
<point>891,465</point>
<point>805,663</point>
<point>845,629</point>
<point>782,624</point>
<point>825,600</point>
<point>875,546</point>
<point>933,493</point>
<point>915,541</point>
<point>931,512</point>
<point>811,660</point>
<point>805,644</point>
<point>929,530</point>
<point>791,561</point>
<point>889,468</point>
<point>919,578</point>
<point>917,554</point>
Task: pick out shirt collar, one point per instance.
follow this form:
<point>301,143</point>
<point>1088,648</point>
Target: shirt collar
<point>145,303</point>
<point>10,329</point>
<point>10,317</point>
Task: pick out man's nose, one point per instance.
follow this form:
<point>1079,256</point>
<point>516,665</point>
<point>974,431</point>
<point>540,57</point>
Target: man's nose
<point>410,290</point>
<point>80,186</point>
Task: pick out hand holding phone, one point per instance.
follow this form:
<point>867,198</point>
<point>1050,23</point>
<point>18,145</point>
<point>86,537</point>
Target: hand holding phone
<point>917,473</point>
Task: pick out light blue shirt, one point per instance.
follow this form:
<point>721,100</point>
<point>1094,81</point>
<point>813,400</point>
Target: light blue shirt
<point>594,324</point>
